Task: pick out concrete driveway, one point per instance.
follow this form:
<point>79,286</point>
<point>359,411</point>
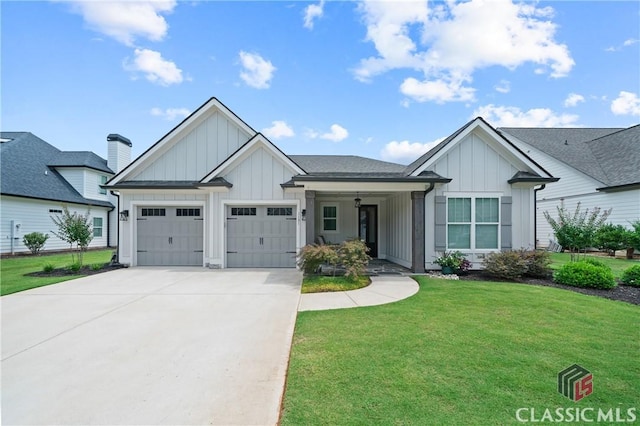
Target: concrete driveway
<point>150,346</point>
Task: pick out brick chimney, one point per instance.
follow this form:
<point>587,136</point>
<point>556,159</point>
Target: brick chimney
<point>119,152</point>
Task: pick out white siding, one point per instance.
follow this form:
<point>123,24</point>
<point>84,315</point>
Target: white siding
<point>75,177</point>
<point>197,150</point>
<point>399,229</point>
<point>347,219</point>
<point>35,217</point>
<point>92,185</point>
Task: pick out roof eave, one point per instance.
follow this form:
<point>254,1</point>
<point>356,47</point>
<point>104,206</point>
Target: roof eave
<point>615,188</point>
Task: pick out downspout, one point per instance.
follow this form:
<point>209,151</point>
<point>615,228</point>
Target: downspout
<point>535,215</point>
<point>117,227</point>
<point>109,226</point>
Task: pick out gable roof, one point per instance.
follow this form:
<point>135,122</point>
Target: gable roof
<point>314,164</point>
<point>25,171</point>
<point>608,155</point>
<point>539,174</point>
<point>80,159</point>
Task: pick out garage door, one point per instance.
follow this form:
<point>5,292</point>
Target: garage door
<point>169,236</point>
<point>261,237</point>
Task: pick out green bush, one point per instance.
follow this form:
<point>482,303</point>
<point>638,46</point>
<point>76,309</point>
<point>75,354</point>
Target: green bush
<point>595,262</point>
<point>538,262</point>
<point>612,237</point>
<point>97,266</point>
<point>353,256</point>
<point>631,276</point>
<point>48,268</point>
<point>75,267</point>
<point>35,241</point>
<point>312,256</point>
<point>585,274</point>
<point>507,264</point>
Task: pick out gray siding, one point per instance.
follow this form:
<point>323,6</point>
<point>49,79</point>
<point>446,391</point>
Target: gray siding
<point>399,228</point>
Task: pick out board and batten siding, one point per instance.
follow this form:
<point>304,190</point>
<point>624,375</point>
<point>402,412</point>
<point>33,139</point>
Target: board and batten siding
<point>478,165</point>
<point>399,229</point>
<point>199,148</point>
<point>34,216</point>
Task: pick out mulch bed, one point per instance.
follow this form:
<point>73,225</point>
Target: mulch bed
<point>85,270</point>
<point>623,293</point>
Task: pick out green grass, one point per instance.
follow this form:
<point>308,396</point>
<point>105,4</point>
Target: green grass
<point>459,352</point>
<point>12,270</point>
<point>617,264</point>
<point>321,283</point>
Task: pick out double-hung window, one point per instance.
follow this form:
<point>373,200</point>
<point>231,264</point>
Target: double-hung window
<point>473,223</point>
<point>330,218</point>
<point>97,227</point>
<point>103,180</point>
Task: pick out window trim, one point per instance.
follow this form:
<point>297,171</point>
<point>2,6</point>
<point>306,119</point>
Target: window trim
<point>322,218</point>
<point>103,179</point>
<point>94,227</point>
<point>473,196</point>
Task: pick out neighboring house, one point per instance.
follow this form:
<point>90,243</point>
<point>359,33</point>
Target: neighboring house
<point>37,180</point>
<point>213,192</point>
<point>599,168</point>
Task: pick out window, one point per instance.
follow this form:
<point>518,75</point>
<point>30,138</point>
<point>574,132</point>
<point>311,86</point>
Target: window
<point>279,211</point>
<point>472,223</point>
<point>243,211</point>
<point>154,212</point>
<point>330,218</point>
<point>103,180</point>
<point>97,227</point>
<point>187,212</point>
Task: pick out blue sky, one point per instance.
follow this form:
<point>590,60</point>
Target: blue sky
<point>374,78</point>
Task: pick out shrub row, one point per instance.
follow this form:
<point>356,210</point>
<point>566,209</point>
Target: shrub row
<point>351,254</point>
<point>519,263</point>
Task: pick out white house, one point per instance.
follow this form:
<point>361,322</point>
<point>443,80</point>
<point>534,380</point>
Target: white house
<point>37,180</point>
<point>598,167</point>
<point>214,192</point>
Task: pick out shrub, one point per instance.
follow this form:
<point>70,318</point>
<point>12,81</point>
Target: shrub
<point>353,256</point>
<point>507,264</point>
<point>631,276</point>
<point>612,237</point>
<point>48,268</point>
<point>75,267</point>
<point>312,256</point>
<point>537,263</point>
<point>35,241</point>
<point>595,262</point>
<point>585,274</point>
<point>97,266</point>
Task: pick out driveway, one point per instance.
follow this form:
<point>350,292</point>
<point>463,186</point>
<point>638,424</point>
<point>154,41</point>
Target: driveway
<point>150,346</point>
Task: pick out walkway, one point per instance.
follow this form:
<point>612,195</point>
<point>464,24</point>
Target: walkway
<point>382,290</point>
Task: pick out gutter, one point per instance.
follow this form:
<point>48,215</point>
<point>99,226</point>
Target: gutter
<point>535,214</point>
<point>118,227</point>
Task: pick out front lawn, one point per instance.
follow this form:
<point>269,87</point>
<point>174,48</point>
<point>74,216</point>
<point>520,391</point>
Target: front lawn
<point>617,264</point>
<point>460,352</point>
<point>13,269</point>
<point>321,283</point>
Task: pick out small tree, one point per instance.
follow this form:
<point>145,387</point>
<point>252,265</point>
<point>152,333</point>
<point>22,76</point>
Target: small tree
<point>612,237</point>
<point>35,241</point>
<point>353,255</point>
<point>74,228</point>
<point>634,239</point>
<point>575,232</point>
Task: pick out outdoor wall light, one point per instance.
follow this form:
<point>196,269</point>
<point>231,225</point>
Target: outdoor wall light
<point>357,201</point>
<point>124,215</point>
<point>303,213</point>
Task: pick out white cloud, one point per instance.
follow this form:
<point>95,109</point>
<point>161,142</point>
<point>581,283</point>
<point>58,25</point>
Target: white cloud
<point>279,129</point>
<point>630,42</point>
<point>508,116</point>
<point>504,86</point>
<point>405,151</point>
<point>156,69</point>
<point>170,114</point>
<point>449,41</point>
<point>626,103</point>
<point>126,20</point>
<point>312,12</point>
<point>257,71</point>
<point>573,99</point>
<point>337,133</point>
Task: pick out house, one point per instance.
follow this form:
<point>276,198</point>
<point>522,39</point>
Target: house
<point>214,192</point>
<point>37,180</point>
<point>599,167</point>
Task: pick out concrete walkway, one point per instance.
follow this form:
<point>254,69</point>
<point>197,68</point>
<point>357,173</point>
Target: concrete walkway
<point>152,346</point>
<point>382,290</point>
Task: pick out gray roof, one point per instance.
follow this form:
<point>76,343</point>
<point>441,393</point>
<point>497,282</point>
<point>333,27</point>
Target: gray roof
<point>25,171</point>
<point>315,164</point>
<point>609,155</point>
<point>80,159</point>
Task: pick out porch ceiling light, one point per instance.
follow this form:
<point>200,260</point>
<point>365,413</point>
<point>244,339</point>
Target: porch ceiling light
<point>357,201</point>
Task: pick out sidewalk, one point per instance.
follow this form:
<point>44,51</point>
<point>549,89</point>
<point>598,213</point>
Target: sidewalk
<point>382,290</point>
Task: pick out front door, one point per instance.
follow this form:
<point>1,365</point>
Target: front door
<point>368,227</point>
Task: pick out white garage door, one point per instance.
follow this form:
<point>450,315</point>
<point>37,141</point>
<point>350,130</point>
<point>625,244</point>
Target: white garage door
<point>170,236</point>
<point>261,237</point>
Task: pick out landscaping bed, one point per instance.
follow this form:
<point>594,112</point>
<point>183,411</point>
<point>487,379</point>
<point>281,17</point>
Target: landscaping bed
<point>84,270</point>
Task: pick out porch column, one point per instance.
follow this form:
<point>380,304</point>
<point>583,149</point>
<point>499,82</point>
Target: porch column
<point>417,241</point>
<point>310,217</point>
